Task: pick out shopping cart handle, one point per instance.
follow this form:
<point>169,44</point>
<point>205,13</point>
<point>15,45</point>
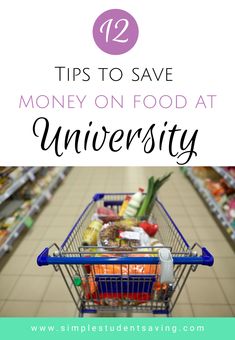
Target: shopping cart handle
<point>206,259</point>
<point>42,259</point>
<point>98,196</point>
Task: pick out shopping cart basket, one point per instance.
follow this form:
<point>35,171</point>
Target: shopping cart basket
<point>124,281</point>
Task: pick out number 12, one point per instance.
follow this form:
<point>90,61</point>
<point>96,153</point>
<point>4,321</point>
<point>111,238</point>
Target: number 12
<point>108,23</point>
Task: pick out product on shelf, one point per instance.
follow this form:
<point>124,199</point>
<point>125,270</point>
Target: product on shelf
<point>206,172</point>
<point>217,188</point>
<point>17,173</point>
<point>229,208</point>
<point>8,175</point>
<point>16,210</point>
<point>230,170</point>
<point>3,236</point>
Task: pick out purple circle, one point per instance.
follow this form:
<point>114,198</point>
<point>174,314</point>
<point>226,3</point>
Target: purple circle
<point>115,31</point>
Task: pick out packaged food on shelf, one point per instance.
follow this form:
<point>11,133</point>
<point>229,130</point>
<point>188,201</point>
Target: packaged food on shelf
<point>17,173</point>
<point>5,180</point>
<point>230,170</point>
<point>229,208</point>
<point>8,175</point>
<point>17,208</point>
<point>204,172</point>
<point>216,187</point>
<point>3,236</point>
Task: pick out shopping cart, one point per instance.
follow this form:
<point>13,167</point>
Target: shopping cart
<point>111,280</point>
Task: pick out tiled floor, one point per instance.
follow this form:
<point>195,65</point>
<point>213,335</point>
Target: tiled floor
<point>27,290</point>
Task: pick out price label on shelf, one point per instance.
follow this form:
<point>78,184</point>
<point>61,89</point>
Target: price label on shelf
<point>36,207</point>
<point>28,222</point>
<point>31,176</point>
<point>22,180</point>
<point>6,195</point>
<point>48,195</point>
<point>6,247</point>
<point>62,176</point>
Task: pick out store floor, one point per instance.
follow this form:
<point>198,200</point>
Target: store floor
<point>27,290</point>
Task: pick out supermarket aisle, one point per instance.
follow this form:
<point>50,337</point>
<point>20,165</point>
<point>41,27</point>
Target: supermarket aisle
<point>27,290</point>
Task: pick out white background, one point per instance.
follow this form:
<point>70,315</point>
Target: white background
<point>196,38</point>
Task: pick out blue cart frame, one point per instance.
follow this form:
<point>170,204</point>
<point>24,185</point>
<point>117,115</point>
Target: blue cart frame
<point>123,293</point>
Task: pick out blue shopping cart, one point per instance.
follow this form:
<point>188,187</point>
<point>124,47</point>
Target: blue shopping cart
<point>128,281</point>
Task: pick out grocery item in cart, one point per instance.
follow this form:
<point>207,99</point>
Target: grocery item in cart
<point>107,215</point>
<point>105,212</point>
<point>149,228</point>
<point>139,274</point>
<point>105,218</point>
<point>91,233</point>
<point>156,244</point>
<point>149,199</point>
<point>117,280</point>
<point>128,269</point>
<point>110,218</point>
<point>124,205</point>
<point>122,237</point>
<point>128,222</point>
<point>136,233</point>
<point>134,204</point>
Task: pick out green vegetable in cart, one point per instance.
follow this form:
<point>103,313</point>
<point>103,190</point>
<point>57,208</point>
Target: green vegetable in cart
<point>148,202</point>
<point>91,233</point>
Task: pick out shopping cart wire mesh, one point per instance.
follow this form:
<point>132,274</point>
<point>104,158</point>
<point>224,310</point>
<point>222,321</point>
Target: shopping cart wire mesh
<point>125,281</point>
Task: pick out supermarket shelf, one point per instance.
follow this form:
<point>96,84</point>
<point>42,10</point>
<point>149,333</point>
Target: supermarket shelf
<point>29,175</point>
<point>230,180</point>
<point>212,204</point>
<point>35,208</point>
